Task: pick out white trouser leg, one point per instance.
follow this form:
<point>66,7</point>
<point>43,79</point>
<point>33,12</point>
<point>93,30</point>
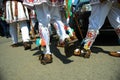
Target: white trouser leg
<point>44,34</point>
<point>96,20</point>
<point>90,38</point>
<point>114,18</point>
<point>24,31</point>
<point>43,17</point>
<point>59,25</point>
<point>13,32</point>
<point>43,14</point>
<point>98,15</point>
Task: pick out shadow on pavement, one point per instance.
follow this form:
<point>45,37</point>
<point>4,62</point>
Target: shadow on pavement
<point>103,39</point>
<point>56,52</point>
<point>96,50</point>
<point>59,55</point>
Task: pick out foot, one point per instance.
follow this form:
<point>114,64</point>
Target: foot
<point>45,58</point>
<point>83,52</point>
<point>77,52</point>
<point>27,45</point>
<point>62,43</point>
<point>15,45</point>
<point>115,53</point>
<point>73,37</point>
<point>87,53</point>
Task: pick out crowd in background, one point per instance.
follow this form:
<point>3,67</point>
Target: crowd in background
<point>4,26</point>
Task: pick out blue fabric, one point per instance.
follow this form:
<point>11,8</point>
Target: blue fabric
<point>84,0</point>
<point>37,42</point>
<point>75,2</point>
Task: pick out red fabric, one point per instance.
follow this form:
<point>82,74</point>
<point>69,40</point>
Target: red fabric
<point>30,0</point>
<point>66,28</point>
<point>43,42</point>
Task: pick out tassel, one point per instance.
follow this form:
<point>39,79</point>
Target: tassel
<point>43,43</point>
<point>40,42</point>
<point>69,30</point>
<point>37,42</point>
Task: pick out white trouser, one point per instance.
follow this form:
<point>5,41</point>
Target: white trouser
<point>100,12</point>
<point>46,13</point>
<point>97,19</point>
<point>24,32</point>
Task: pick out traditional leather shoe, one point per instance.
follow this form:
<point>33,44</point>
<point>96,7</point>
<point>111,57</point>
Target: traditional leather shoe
<point>115,53</point>
<point>82,52</point>
<point>62,44</point>
<point>73,37</point>
<point>77,52</point>
<point>67,40</point>
<point>15,45</point>
<point>87,53</point>
<point>27,45</point>
<point>45,58</point>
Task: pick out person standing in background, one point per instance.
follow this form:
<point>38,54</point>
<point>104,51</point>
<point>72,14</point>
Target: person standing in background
<point>16,12</point>
<point>4,25</point>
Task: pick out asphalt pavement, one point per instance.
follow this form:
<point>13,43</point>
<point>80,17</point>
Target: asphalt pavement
<point>18,64</point>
